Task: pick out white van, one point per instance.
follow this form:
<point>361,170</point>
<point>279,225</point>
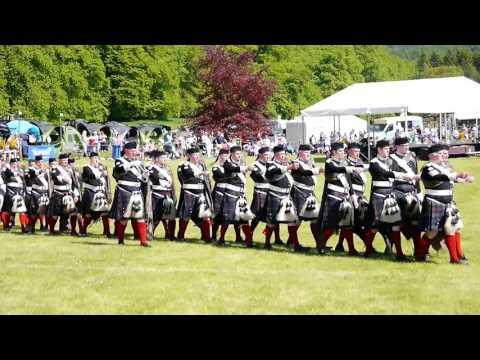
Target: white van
<point>385,128</point>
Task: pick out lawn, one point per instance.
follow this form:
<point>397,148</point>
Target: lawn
<point>45,274</point>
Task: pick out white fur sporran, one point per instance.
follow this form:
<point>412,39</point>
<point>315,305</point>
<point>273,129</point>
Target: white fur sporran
<point>44,200</point>
<point>413,208</point>
<point>18,204</point>
<point>453,221</point>
<point>310,209</point>
<point>286,213</point>
<point>242,210</point>
<point>204,210</point>
<point>346,211</point>
<point>99,202</point>
<point>169,211</point>
<point>135,208</point>
<point>391,211</point>
<point>2,198</point>
<point>68,203</point>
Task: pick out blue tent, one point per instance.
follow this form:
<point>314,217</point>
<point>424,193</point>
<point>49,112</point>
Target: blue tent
<point>24,127</point>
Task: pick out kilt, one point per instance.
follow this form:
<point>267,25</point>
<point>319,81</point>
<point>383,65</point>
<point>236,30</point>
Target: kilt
<point>217,197</point>
<point>375,208</point>
<point>273,206</point>
<point>329,216</point>
<point>158,208</point>
<point>33,205</point>
<point>7,202</point>
<point>56,207</point>
<point>120,202</point>
<point>360,215</point>
<point>433,215</point>
<point>86,204</point>
<point>407,218</point>
<point>188,205</point>
<point>28,199</point>
<point>259,204</point>
<point>229,205</point>
<point>299,198</point>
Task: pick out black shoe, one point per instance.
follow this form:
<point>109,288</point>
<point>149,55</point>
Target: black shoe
<point>267,246</point>
<point>339,248</point>
<point>146,244</point>
<point>353,253</point>
<point>250,245</point>
<point>300,248</point>
<point>278,242</point>
<point>121,242</point>
<point>83,234</point>
<point>402,258</point>
<point>180,239</point>
<point>459,262</point>
<point>322,251</point>
<point>239,241</point>
<point>220,242</point>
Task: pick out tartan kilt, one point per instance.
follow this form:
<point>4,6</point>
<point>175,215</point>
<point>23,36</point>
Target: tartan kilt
<point>329,215</point>
<point>7,201</point>
<point>158,209</point>
<point>402,203</point>
<point>188,205</point>
<point>33,206</point>
<point>299,198</point>
<point>360,223</point>
<point>217,197</point>
<point>229,206</point>
<point>433,215</point>
<point>120,202</point>
<point>259,204</point>
<point>56,207</point>
<point>86,204</point>
<point>28,200</point>
<point>272,207</point>
<point>375,208</point>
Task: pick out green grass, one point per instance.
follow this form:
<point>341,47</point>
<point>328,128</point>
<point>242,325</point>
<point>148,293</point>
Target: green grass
<point>45,274</point>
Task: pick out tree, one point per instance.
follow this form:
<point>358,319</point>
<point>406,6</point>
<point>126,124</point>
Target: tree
<point>235,94</point>
<point>435,59</point>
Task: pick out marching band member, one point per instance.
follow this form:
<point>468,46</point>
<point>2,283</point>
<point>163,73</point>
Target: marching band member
<point>14,201</point>
<point>195,201</point>
<point>39,200</point>
<point>440,217</point>
<point>128,200</point>
<point>94,204</point>
<point>163,194</point>
<point>303,195</point>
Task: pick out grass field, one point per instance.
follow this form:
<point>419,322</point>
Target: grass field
<point>45,274</point>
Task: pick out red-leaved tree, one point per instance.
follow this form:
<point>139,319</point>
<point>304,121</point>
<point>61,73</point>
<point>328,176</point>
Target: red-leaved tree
<point>236,94</point>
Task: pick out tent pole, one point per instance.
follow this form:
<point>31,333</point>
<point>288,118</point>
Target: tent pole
<point>368,135</point>
<point>476,127</point>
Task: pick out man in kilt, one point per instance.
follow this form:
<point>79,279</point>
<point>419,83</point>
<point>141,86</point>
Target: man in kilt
<point>163,194</point>
<point>218,193</point>
<point>65,195</point>
<point>303,195</point>
<point>440,217</point>
<point>337,208</point>
<point>235,209</point>
<point>357,181</point>
<point>383,211</point>
<point>3,188</point>
<point>128,200</point>
<point>94,204</point>
<point>14,202</point>
<point>195,201</point>
<point>39,198</point>
<point>407,193</point>
<point>279,206</point>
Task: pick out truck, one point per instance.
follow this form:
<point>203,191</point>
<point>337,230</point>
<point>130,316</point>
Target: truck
<point>385,128</point>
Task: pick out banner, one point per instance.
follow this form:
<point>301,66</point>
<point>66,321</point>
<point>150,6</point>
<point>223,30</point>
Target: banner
<point>47,152</point>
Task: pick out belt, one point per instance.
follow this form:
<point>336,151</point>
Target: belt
<point>129,183</point>
<point>438,192</point>
<point>279,189</point>
<point>358,187</point>
<point>234,188</point>
<point>92,187</point>
<point>39,187</point>
<point>384,184</point>
<point>3,187</point>
<point>160,187</point>
<point>15,185</point>
<point>61,187</point>
<point>303,186</point>
<point>336,188</point>
<point>262,185</point>
<point>193,186</point>
<point>220,185</point>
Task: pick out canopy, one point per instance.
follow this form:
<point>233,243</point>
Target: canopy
<point>83,125</point>
<point>433,96</point>
<point>23,127</point>
<point>121,129</point>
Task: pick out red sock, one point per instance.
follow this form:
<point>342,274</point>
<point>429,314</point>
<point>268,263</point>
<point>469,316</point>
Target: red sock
<point>417,243</point>
<point>32,221</point>
<point>182,227</point>
<point>326,235</point>
<point>238,236</point>
<point>142,231</point>
<point>451,242</point>
<point>368,237</point>
<point>51,223</point>
<point>315,232</point>
<point>171,229</point>
<point>247,230</point>
<point>396,239</point>
<point>106,225</point>
<point>165,227</point>
<point>268,234</point>
<point>42,221</point>
<point>86,222</point>
<point>120,231</point>
<point>23,221</point>
<point>5,219</point>
<point>73,225</point>
<point>348,234</point>
<point>206,229</point>
<point>276,230</point>
<point>223,230</point>
<point>423,245</point>
<point>292,233</point>
<point>341,237</point>
<point>458,242</point>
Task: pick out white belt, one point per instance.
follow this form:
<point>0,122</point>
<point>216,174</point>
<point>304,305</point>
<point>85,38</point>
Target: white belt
<point>262,185</point>
<point>16,185</point>
<point>358,187</point>
<point>234,187</point>
<point>220,185</point>
<point>61,187</point>
<point>160,187</point>
<point>193,186</point>
<point>438,192</point>
<point>385,184</point>
<point>303,186</point>
<point>92,187</point>
<point>39,187</point>
<point>279,189</point>
<point>129,183</point>
<point>336,188</point>
<point>3,187</point>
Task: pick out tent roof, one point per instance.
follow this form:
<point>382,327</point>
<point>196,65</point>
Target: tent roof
<point>120,128</point>
<point>148,128</point>
<point>44,126</point>
<point>438,95</point>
